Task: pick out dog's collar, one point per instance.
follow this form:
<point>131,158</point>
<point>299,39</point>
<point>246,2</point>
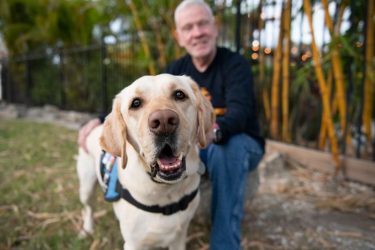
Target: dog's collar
<point>169,209</point>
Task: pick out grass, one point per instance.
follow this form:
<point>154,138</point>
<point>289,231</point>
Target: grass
<point>39,203</point>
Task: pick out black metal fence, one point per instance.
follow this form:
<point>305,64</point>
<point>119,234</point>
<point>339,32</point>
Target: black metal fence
<point>83,79</point>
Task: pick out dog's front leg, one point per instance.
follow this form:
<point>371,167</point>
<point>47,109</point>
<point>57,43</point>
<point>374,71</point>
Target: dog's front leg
<point>180,242</point>
<point>129,246</point>
<point>87,183</point>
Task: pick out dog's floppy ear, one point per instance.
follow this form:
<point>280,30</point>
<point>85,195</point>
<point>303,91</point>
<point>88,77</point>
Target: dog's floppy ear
<point>206,115</point>
<point>113,138</point>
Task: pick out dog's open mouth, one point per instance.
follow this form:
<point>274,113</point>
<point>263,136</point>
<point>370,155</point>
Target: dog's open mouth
<point>169,167</point>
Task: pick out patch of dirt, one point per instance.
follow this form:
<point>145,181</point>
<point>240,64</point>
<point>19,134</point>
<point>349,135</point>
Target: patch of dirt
<point>299,208</point>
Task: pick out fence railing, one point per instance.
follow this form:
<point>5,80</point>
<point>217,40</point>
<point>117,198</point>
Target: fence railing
<point>83,79</point>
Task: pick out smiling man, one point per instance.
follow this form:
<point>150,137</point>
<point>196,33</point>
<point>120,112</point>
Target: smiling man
<point>237,147</point>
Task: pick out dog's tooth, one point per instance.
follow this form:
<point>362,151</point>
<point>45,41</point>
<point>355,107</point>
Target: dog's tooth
<point>176,165</point>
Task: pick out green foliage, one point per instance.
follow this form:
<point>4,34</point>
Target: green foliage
<point>35,25</point>
<point>45,89</point>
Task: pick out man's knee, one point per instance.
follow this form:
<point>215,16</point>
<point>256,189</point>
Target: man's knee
<point>239,149</point>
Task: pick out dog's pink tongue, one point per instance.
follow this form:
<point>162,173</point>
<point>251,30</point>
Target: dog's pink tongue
<point>169,161</point>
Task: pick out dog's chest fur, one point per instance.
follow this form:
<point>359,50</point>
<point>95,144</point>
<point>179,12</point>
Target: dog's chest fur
<point>153,229</point>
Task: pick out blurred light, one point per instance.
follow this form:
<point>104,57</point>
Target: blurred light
<point>107,61</point>
<point>358,44</point>
<point>294,50</point>
<point>255,45</point>
<point>267,51</point>
<point>254,56</point>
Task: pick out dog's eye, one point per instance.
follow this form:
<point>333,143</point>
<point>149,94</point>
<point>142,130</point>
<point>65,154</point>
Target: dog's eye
<point>136,103</point>
<point>179,95</point>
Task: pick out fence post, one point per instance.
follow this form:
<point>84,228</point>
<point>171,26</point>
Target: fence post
<point>238,26</point>
<point>103,65</point>
<point>28,99</point>
<point>1,80</point>
<point>62,79</point>
<point>8,86</point>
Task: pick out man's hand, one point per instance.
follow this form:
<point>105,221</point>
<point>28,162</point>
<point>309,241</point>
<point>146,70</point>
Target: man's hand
<point>210,137</point>
<point>214,136</point>
<point>85,131</point>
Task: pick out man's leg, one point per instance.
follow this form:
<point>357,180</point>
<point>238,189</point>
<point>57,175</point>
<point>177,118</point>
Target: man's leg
<point>228,166</point>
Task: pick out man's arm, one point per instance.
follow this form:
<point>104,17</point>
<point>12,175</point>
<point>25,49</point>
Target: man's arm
<point>239,98</point>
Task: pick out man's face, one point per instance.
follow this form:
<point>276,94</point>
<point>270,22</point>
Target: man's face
<point>196,31</point>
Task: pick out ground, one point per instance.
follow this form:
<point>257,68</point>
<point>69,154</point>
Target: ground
<point>294,207</point>
<point>299,208</point>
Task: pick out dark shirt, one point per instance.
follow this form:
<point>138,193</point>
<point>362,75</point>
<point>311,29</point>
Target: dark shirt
<point>230,85</point>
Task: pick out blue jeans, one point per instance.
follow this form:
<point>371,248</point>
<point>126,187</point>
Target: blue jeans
<point>228,166</point>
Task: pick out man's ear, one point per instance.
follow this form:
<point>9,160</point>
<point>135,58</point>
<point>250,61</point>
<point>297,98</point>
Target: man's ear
<point>177,38</point>
<point>206,115</point>
<point>113,138</point>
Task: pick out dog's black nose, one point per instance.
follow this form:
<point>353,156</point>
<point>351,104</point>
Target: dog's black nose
<point>163,122</point>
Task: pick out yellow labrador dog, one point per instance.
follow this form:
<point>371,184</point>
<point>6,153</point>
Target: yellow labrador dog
<point>155,127</point>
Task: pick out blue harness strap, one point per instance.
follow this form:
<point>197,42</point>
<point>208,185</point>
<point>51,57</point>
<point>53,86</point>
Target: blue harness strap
<point>108,170</point>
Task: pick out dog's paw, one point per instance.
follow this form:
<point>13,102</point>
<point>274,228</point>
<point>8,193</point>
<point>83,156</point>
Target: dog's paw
<point>87,228</point>
<point>83,234</point>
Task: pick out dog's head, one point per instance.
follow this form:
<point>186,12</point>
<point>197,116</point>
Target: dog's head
<point>163,118</point>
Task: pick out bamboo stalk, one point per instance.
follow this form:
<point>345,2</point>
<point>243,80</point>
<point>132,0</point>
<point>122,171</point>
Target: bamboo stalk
<point>155,24</point>
<point>369,76</point>
<point>266,105</point>
<point>337,68</point>
<point>323,126</point>
<point>159,43</point>
<point>261,65</point>
<point>261,60</point>
<point>144,43</point>
<point>168,17</point>
<point>327,116</point>
<point>285,72</point>
<point>275,83</point>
